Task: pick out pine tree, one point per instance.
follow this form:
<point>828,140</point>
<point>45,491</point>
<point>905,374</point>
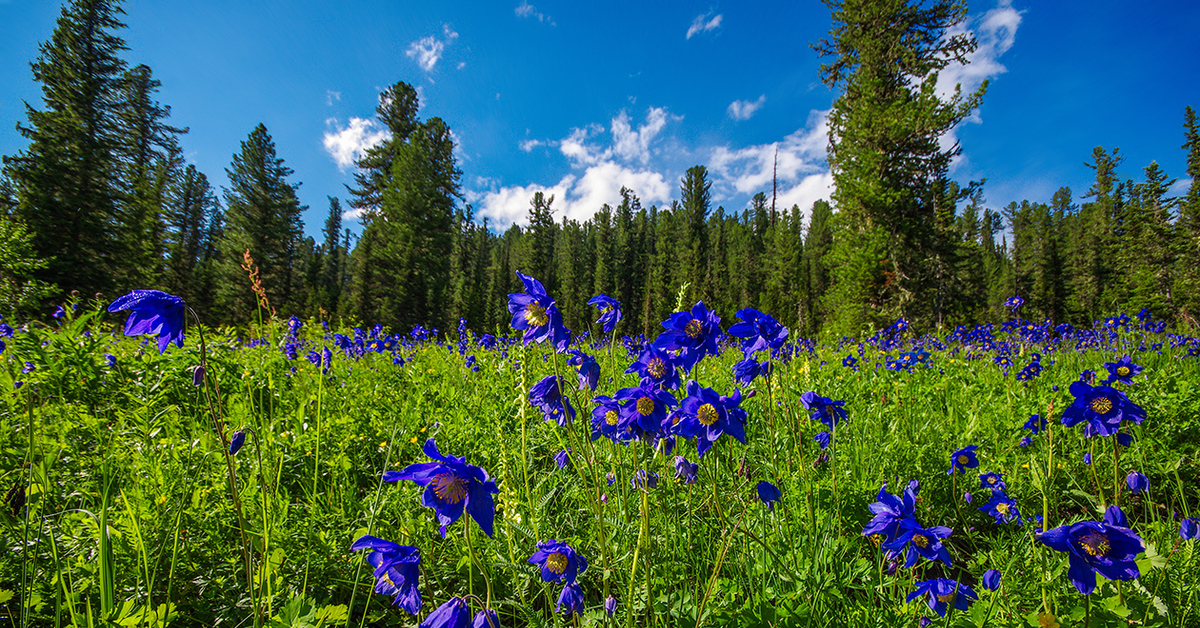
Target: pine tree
<point>191,212</point>
<point>1187,228</point>
<point>262,216</point>
<point>67,179</point>
<point>885,153</point>
<point>695,197</point>
<point>333,260</point>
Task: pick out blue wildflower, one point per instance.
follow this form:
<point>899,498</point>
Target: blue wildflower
<point>963,459</point>
<point>1106,547</point>
<point>892,514</point>
<point>1189,529</point>
<point>704,416</point>
<point>153,312</point>
<point>1137,482</point>
<point>686,471</point>
<point>992,480</point>
<point>758,331</point>
<point>991,580</point>
<point>695,333</point>
<point>586,367</point>
<point>547,396</point>
<point>769,494</point>
<point>455,613</point>
<point>451,485</point>
<point>1122,370</point>
<point>658,366</point>
<point>824,409</point>
<point>822,440</point>
<point>571,597</point>
<point>917,541</point>
<point>941,593</point>
<point>236,441</point>
<point>1102,408</point>
<point>1002,508</point>
<point>559,562</point>
<point>397,568</point>
<point>610,311</point>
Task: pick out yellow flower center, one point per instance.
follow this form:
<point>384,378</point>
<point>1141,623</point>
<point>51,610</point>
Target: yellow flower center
<point>1046,620</point>
<point>963,459</point>
<point>707,414</point>
<point>921,541</point>
<point>1123,371</point>
<point>693,329</point>
<point>645,406</point>
<point>876,539</point>
<point>1002,508</point>
<point>948,598</point>
<point>449,487</point>
<point>1095,544</point>
<point>556,563</point>
<point>611,417</point>
<point>1102,405</point>
<point>656,368</point>
<point>535,314</point>
<point>991,479</point>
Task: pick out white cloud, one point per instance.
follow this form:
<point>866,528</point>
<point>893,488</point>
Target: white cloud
<point>346,144</point>
<point>702,24</point>
<point>635,145</point>
<point>751,169</point>
<point>528,145</point>
<point>428,50</point>
<point>743,109</point>
<point>528,10</point>
<point>1180,188</point>
<point>461,65</point>
<point>332,97</point>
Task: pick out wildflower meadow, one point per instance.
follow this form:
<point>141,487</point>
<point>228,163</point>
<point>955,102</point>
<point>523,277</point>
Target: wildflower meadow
<point>723,472</point>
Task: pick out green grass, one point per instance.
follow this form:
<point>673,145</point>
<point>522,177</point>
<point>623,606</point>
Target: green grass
<point>128,517</point>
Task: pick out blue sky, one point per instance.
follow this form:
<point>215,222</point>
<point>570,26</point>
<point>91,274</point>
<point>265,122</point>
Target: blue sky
<point>578,99</point>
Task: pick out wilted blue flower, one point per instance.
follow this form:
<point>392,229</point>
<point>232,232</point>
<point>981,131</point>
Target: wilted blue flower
<point>745,371</point>
<point>822,440</point>
<point>1002,508</point>
<point>686,471</point>
<point>991,580</point>
<point>941,593</point>
<point>1106,547</point>
<point>451,485</point>
<point>571,597</point>
<point>1189,529</point>
<point>704,416</point>
<point>758,331</point>
<point>1102,408</point>
<point>824,409</point>
<point>610,311</point>
<point>769,494</point>
<point>236,441</point>
<point>486,619</point>
<point>1122,371</point>
<point>923,542</point>
<point>695,333</point>
<point>1137,482</point>
<point>643,480</point>
<point>1087,458</point>
<point>455,613</point>
<point>547,396</point>
<point>559,562</point>
<point>992,480</point>
<point>397,568</point>
<point>963,459</point>
<point>153,312</point>
<point>1026,441</point>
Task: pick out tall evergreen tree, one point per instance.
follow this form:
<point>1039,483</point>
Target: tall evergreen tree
<point>262,217</point>
<point>68,178</point>
<point>695,197</point>
<point>885,153</point>
<point>1187,228</point>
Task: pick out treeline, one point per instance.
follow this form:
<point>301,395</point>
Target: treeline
<point>102,201</point>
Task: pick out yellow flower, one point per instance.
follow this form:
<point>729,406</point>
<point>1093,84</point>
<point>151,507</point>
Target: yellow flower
<point>413,439</point>
<point>1046,620</point>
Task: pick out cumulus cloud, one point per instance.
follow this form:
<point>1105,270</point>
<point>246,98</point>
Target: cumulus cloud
<point>345,144</point>
<point>743,109</point>
<point>528,10</point>
<point>1180,188</point>
<point>427,50</point>
<point>528,145</point>
<point>703,24</point>
<point>635,145</point>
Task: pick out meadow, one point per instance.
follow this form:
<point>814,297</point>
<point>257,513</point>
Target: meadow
<point>239,480</point>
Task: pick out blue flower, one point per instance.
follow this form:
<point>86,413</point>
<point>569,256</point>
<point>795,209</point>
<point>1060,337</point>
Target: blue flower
<point>548,397</point>
<point>535,313</point>
<point>451,485</point>
<point>397,568</point>
<point>992,480</point>
<point>1189,529</point>
<point>1137,482</point>
<point>1014,302</point>
<point>745,371</point>
<point>606,419</point>
<point>963,459</point>
<point>1035,424</point>
<point>695,333</point>
<point>921,542</point>
<point>559,562</point>
<point>236,441</point>
<point>1002,508</point>
<point>759,331</point>
<point>562,458</point>
<point>571,597</point>
<point>486,619</point>
<point>110,360</point>
<point>1122,371</point>
<point>610,311</point>
<point>610,606</point>
<point>455,613</point>
<point>769,494</point>
<point>824,409</point>
<point>822,440</point>
<point>1102,409</point>
<point>686,471</point>
<point>942,593</point>
<point>892,514</point>
<point>644,407</point>
<point>153,312</point>
<point>703,415</point>
<point>658,366</point>
<point>1106,547</point>
<point>586,367</point>
<point>991,580</point>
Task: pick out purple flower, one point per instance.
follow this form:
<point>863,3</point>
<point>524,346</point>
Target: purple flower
<point>991,580</point>
<point>1101,408</point>
<point>586,367</point>
<point>963,459</point>
<point>606,419</point>
<point>686,471</point>
<point>695,333</point>
<point>657,365</point>
<point>610,311</point>
<point>1035,424</point>
<point>610,606</point>
<point>704,415</point>
<point>992,480</point>
<point>644,407</point>
<point>455,613</point>
<point>397,568</point>
<point>769,494</point>
<point>535,313</point>
<point>822,440</point>
<point>892,514</point>
<point>562,458</point>
<point>486,619</point>
<point>1087,458</point>
<point>451,486</point>
<point>1014,302</point>
<point>153,312</point>
<point>921,542</point>
<point>967,496</point>
<point>942,593</point>
<point>1106,547</point>
<point>236,441</point>
<point>1137,482</point>
<point>1025,442</point>
<point>571,597</point>
<point>745,371</point>
<point>547,396</point>
<point>824,409</point>
<point>1002,508</point>
<point>1122,371</point>
<point>559,562</point>
<point>1189,529</point>
<point>758,331</point>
